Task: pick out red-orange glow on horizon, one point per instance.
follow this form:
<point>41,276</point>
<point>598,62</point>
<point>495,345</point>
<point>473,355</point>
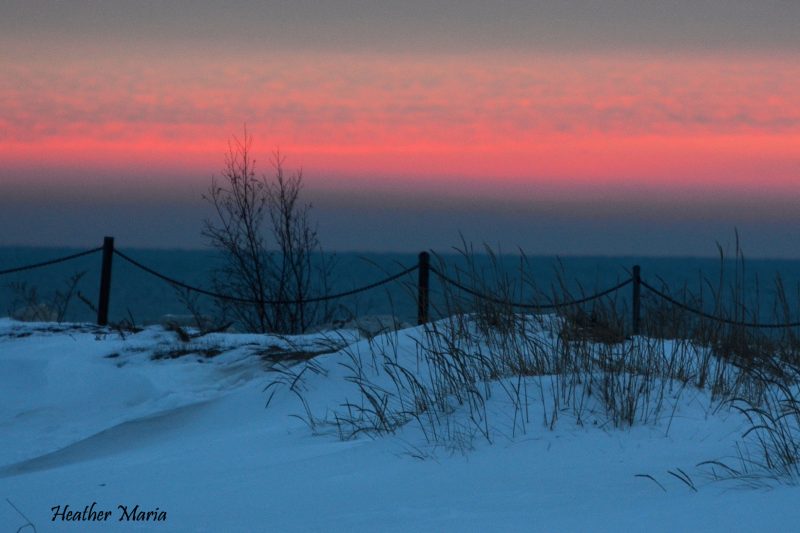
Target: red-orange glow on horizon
<point>547,123</point>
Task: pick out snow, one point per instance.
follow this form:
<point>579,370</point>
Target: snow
<point>86,415</point>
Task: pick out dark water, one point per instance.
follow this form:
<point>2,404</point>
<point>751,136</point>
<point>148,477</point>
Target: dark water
<point>145,298</point>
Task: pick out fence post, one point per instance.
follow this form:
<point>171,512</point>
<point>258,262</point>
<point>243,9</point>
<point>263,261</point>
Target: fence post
<point>105,281</point>
<point>637,291</point>
<point>422,288</point>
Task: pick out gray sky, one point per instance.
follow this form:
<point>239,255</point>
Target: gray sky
<point>457,25</point>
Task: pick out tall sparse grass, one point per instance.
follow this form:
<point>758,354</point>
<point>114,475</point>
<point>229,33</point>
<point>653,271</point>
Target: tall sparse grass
<point>488,369</point>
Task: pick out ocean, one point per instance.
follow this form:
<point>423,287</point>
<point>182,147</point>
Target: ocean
<point>142,298</point>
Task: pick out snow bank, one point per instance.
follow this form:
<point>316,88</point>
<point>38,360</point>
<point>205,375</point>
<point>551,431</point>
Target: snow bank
<point>88,416</point>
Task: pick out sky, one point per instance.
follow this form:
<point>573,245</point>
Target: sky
<point>619,127</point>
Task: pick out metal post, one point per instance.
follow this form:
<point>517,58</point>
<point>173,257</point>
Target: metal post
<point>105,281</point>
<point>637,291</point>
<point>422,288</point>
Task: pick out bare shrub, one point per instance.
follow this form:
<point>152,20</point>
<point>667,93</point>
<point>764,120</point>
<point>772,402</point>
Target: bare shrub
<point>269,245</point>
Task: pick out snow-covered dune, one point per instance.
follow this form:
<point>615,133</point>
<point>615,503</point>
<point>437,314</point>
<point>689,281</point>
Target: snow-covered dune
<point>87,416</point>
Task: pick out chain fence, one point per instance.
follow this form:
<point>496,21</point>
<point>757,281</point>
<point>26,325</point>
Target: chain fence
<point>314,299</point>
<point>50,262</point>
<point>708,316</point>
<point>522,305</point>
<point>423,267</point>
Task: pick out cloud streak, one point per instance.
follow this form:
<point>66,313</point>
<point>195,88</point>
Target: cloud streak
<point>545,121</point>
